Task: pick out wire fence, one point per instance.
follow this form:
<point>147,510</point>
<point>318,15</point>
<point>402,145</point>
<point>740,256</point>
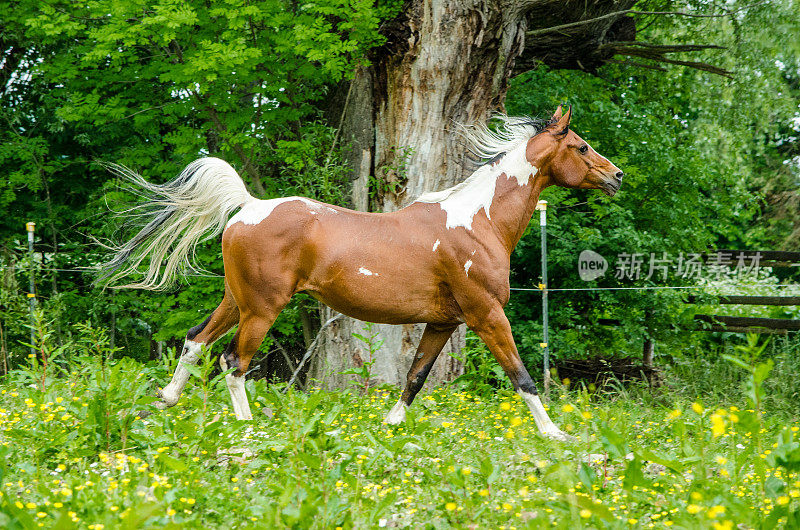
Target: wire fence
<point>642,288</point>
<point>528,289</point>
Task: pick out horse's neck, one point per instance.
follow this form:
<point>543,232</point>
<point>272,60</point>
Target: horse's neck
<point>513,207</point>
<point>506,191</point>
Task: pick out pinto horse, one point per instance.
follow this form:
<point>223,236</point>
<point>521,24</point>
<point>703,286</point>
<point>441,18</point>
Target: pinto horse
<point>443,260</point>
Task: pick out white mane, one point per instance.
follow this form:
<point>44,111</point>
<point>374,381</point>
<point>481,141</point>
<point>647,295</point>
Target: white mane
<point>511,131</point>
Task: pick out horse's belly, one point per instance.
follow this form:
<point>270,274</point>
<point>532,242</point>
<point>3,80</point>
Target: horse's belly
<point>373,299</point>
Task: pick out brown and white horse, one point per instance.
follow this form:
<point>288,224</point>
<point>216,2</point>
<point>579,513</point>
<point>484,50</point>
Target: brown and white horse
<point>443,260</point>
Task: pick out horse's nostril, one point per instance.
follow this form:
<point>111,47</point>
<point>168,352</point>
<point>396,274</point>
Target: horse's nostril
<point>619,175</point>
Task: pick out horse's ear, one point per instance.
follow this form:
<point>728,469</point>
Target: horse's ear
<point>561,125</point>
<point>557,114</point>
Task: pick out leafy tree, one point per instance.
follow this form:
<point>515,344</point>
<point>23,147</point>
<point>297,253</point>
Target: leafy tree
<point>154,86</point>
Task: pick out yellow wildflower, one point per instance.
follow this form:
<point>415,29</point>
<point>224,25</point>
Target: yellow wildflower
<point>717,425</point>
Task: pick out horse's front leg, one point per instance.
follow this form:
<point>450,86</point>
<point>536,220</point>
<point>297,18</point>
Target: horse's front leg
<point>430,346</point>
<point>494,329</point>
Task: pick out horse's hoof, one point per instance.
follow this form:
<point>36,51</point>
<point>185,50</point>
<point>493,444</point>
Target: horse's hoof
<point>397,415</point>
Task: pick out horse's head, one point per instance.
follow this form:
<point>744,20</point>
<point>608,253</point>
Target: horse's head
<point>568,161</point>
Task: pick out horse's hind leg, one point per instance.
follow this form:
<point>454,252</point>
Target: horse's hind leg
<point>252,330</point>
<point>224,317</point>
<point>430,346</point>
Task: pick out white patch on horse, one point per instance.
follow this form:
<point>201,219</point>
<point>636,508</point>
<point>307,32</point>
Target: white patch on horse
<point>543,421</point>
<point>463,201</point>
<point>467,265</point>
<point>367,272</point>
<point>238,394</point>
<point>171,393</point>
<point>397,415</point>
<point>253,212</point>
<point>436,245</point>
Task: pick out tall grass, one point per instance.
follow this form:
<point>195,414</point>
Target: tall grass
<point>705,373</point>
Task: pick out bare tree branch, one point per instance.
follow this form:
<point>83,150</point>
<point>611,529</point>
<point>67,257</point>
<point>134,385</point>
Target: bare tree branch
<point>658,56</point>
<point>664,48</point>
<point>553,29</point>
<point>311,348</point>
<point>283,351</point>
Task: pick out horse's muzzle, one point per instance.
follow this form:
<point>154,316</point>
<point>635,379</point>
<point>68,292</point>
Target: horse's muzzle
<point>611,187</point>
<point>611,183</point>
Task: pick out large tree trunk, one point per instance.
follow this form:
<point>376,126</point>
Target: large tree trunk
<point>447,62</point>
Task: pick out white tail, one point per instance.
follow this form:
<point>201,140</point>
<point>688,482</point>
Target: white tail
<point>178,215</point>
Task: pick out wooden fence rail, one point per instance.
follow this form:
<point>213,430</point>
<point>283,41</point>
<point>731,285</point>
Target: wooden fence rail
<point>750,300</point>
<point>749,322</point>
<point>766,258</point>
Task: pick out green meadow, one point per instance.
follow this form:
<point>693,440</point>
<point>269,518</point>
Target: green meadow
<point>75,454</point>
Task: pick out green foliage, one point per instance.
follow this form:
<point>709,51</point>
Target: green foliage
<point>696,150</point>
<point>482,373</point>
<point>363,370</point>
<point>153,87</point>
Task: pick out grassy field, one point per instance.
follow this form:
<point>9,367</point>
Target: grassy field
<point>73,456</point>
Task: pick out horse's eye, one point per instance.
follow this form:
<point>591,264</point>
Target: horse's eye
<point>583,149</point>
